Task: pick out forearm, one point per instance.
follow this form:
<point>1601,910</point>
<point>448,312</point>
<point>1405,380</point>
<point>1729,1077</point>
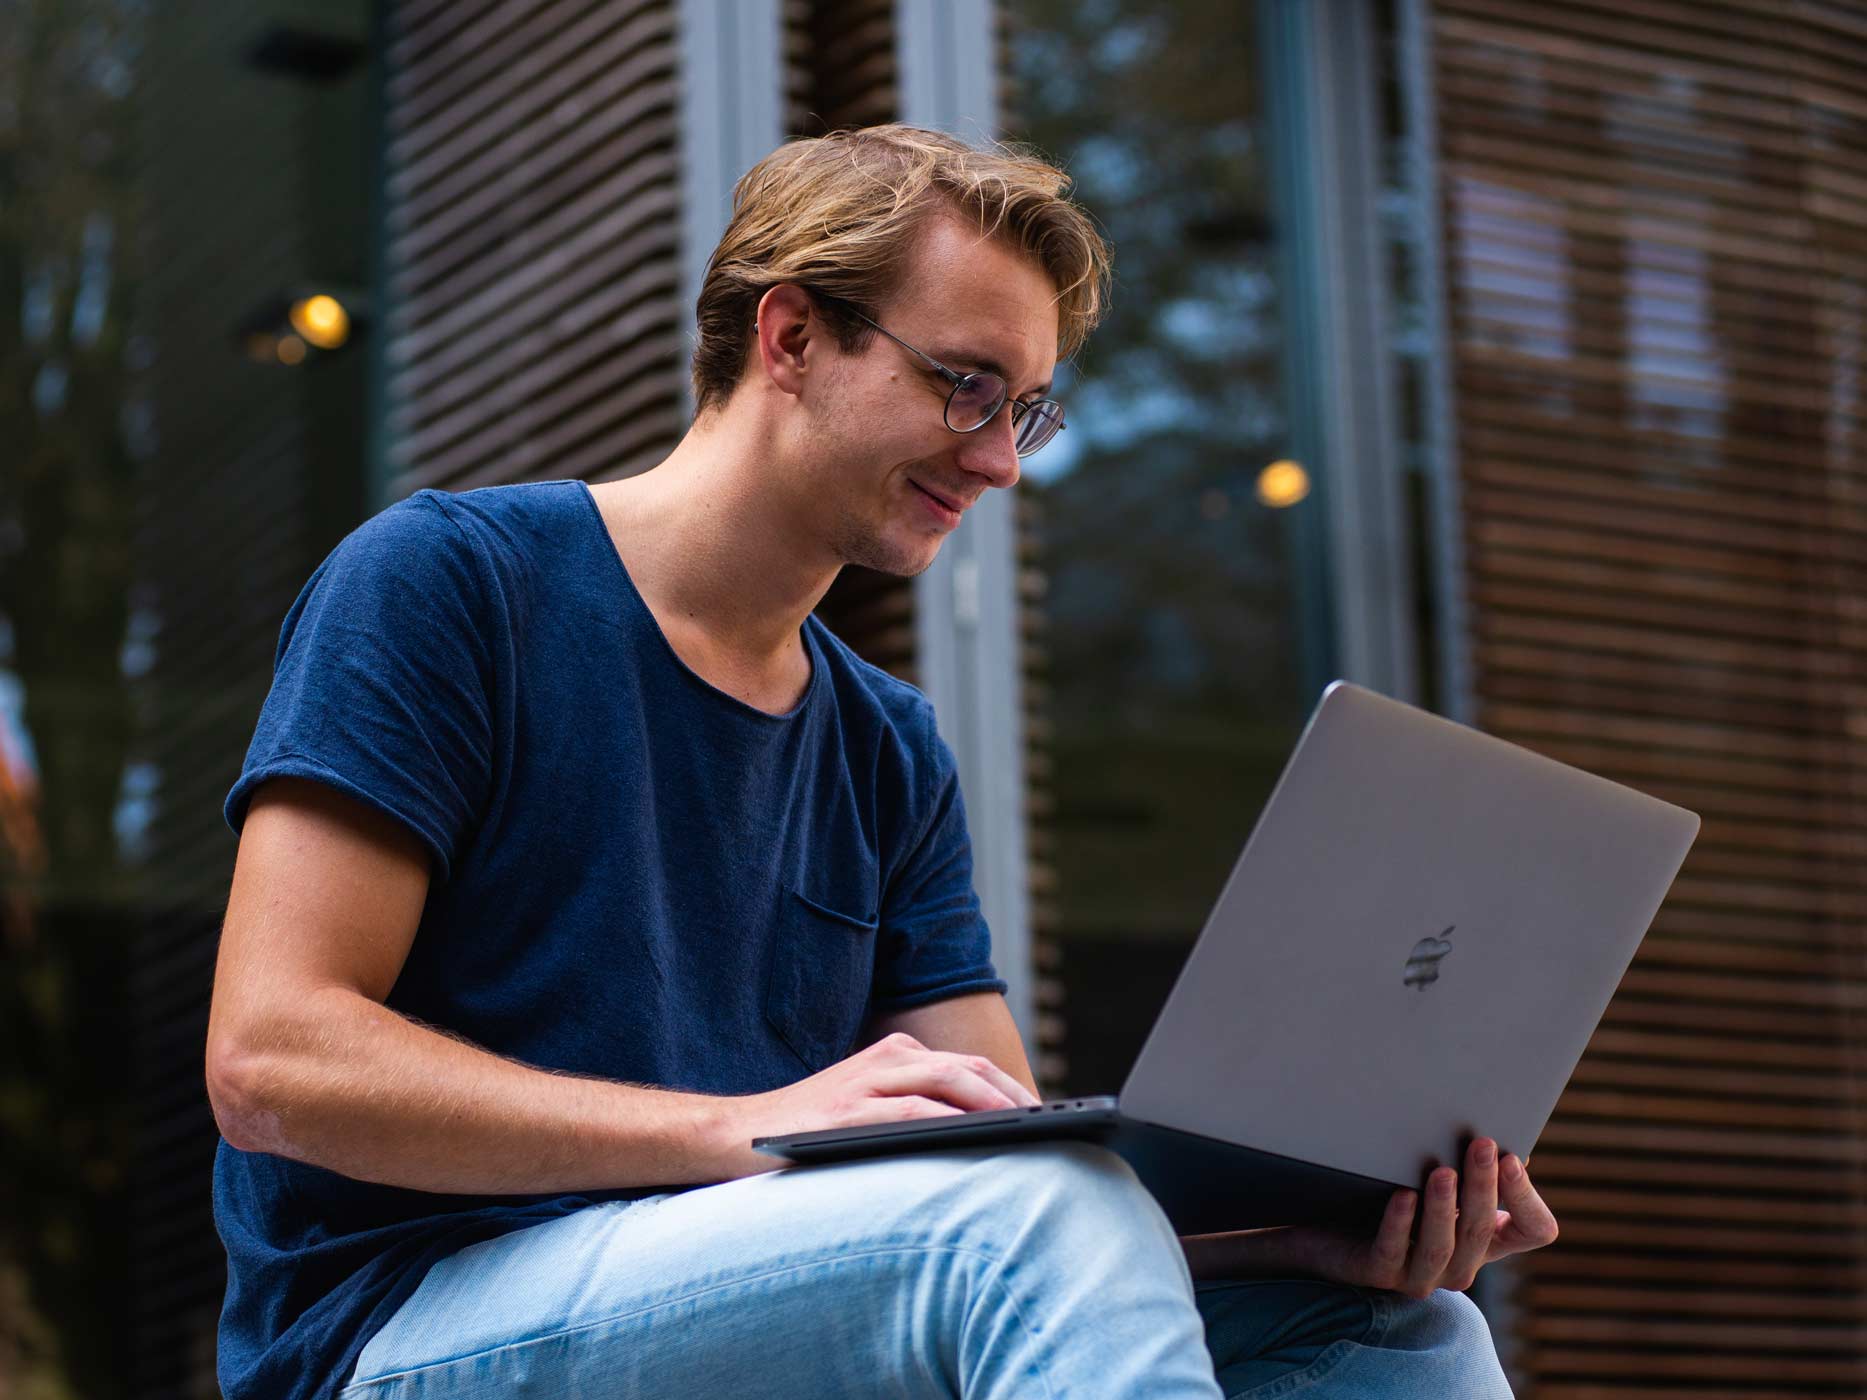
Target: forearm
<point>347,1084</point>
<point>1245,1254</point>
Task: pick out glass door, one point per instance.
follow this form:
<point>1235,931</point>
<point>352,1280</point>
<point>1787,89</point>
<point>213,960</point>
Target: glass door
<point>1182,643</point>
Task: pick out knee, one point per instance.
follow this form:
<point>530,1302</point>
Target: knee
<point>1452,1325</point>
<point>1457,1319</point>
<point>1069,1189</point>
<point>1080,1176</point>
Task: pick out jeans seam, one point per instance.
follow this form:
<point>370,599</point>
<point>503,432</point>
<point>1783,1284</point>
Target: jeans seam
<point>358,1386</point>
<point>997,1276</point>
<point>1332,1356</point>
<point>1381,1318</point>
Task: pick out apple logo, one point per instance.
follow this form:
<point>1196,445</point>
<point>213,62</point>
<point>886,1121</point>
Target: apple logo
<point>1423,961</point>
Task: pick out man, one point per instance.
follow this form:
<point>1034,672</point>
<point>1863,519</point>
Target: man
<point>575,854</point>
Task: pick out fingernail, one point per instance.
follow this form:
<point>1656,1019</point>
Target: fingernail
<point>1442,1186</point>
<point>1512,1166</point>
<point>1487,1153</point>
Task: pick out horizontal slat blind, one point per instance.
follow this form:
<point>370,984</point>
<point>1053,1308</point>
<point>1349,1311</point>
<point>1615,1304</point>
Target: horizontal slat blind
<point>1040,795</point>
<point>533,207</point>
<point>1656,243</point>
<point>840,65</point>
<point>1052,1060</point>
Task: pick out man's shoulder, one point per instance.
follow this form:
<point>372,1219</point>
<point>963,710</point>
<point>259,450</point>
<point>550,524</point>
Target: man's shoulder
<point>430,519</point>
<point>892,703</point>
<point>491,531</point>
<point>517,520</point>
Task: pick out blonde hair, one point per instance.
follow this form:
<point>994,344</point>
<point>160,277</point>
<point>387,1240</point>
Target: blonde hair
<point>840,214</point>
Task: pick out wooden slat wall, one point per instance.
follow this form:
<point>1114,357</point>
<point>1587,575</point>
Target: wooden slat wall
<point>1052,1064</point>
<point>840,65</point>
<point>533,207</point>
<point>1655,220</point>
<point>1052,1050</point>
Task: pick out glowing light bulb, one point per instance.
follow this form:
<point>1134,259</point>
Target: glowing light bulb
<point>1283,483</point>
<point>321,320</point>
<point>291,350</point>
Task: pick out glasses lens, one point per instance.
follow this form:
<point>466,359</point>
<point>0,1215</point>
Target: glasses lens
<point>974,400</point>
<point>1038,425</point>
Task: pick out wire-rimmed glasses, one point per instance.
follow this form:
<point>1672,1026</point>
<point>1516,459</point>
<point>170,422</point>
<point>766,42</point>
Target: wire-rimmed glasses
<point>976,398</point>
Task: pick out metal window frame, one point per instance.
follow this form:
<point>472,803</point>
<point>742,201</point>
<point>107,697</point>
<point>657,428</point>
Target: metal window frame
<point>966,604</point>
<point>1322,94</point>
<point>1439,428</point>
<point>1323,82</point>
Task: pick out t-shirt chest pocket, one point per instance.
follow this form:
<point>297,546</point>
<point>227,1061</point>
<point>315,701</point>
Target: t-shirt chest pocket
<point>818,989</point>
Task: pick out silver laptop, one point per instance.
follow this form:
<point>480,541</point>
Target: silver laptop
<point>1414,948</point>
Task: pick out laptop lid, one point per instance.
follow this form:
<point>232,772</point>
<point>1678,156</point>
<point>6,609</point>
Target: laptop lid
<point>1414,947</point>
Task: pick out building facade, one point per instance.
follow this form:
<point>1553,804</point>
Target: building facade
<point>1506,361</point>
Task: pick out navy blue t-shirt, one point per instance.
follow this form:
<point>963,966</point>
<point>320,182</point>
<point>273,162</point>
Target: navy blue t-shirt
<point>635,875</point>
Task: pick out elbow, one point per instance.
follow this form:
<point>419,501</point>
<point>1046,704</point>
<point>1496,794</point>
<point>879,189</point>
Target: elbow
<point>235,1094</point>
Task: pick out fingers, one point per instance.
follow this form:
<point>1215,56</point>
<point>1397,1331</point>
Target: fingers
<point>1532,1224</point>
<point>1477,1217</point>
<point>1433,1250</point>
<point>903,1047</point>
<point>1387,1256</point>
<point>899,1108</point>
<point>1461,1225</point>
<point>968,1082</point>
<point>1020,1096</point>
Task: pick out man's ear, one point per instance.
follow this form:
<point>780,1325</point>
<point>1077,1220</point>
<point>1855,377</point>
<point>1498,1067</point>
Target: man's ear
<point>790,336</point>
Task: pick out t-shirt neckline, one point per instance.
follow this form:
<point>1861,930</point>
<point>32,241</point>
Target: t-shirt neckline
<point>632,595</point>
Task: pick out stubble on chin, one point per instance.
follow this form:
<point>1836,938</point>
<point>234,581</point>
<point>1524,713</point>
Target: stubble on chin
<point>858,542</point>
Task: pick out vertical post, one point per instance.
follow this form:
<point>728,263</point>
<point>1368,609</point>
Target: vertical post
<point>1323,90</point>
<point>376,402</point>
<point>966,605</point>
<point>1439,438</point>
<point>732,116</point>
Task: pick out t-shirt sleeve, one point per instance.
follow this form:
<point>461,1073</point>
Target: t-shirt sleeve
<point>933,941</point>
<point>382,682</point>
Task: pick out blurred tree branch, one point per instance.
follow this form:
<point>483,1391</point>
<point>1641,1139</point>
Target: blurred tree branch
<point>67,244</point>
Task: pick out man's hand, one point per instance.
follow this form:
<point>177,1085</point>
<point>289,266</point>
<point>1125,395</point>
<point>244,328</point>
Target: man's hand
<point>893,1080</point>
<point>1461,1229</point>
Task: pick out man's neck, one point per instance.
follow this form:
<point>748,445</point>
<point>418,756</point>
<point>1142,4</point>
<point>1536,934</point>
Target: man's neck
<point>706,540</point>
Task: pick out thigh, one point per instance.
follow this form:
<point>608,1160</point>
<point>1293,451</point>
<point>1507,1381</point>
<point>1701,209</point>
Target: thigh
<point>1271,1338</point>
<point>824,1281</point>
<point>1264,1330</point>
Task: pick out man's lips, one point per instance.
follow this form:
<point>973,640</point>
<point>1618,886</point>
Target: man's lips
<point>950,502</point>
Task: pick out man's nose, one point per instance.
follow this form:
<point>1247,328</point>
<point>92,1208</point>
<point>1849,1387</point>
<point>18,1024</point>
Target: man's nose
<point>992,451</point>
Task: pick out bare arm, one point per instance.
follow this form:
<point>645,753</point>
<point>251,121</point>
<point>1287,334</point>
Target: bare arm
<point>305,1061</point>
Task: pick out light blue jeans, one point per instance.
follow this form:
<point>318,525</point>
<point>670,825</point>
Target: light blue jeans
<point>1045,1270</point>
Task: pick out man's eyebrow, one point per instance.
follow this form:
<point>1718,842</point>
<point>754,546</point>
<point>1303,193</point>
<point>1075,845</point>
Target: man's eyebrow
<point>954,358</point>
